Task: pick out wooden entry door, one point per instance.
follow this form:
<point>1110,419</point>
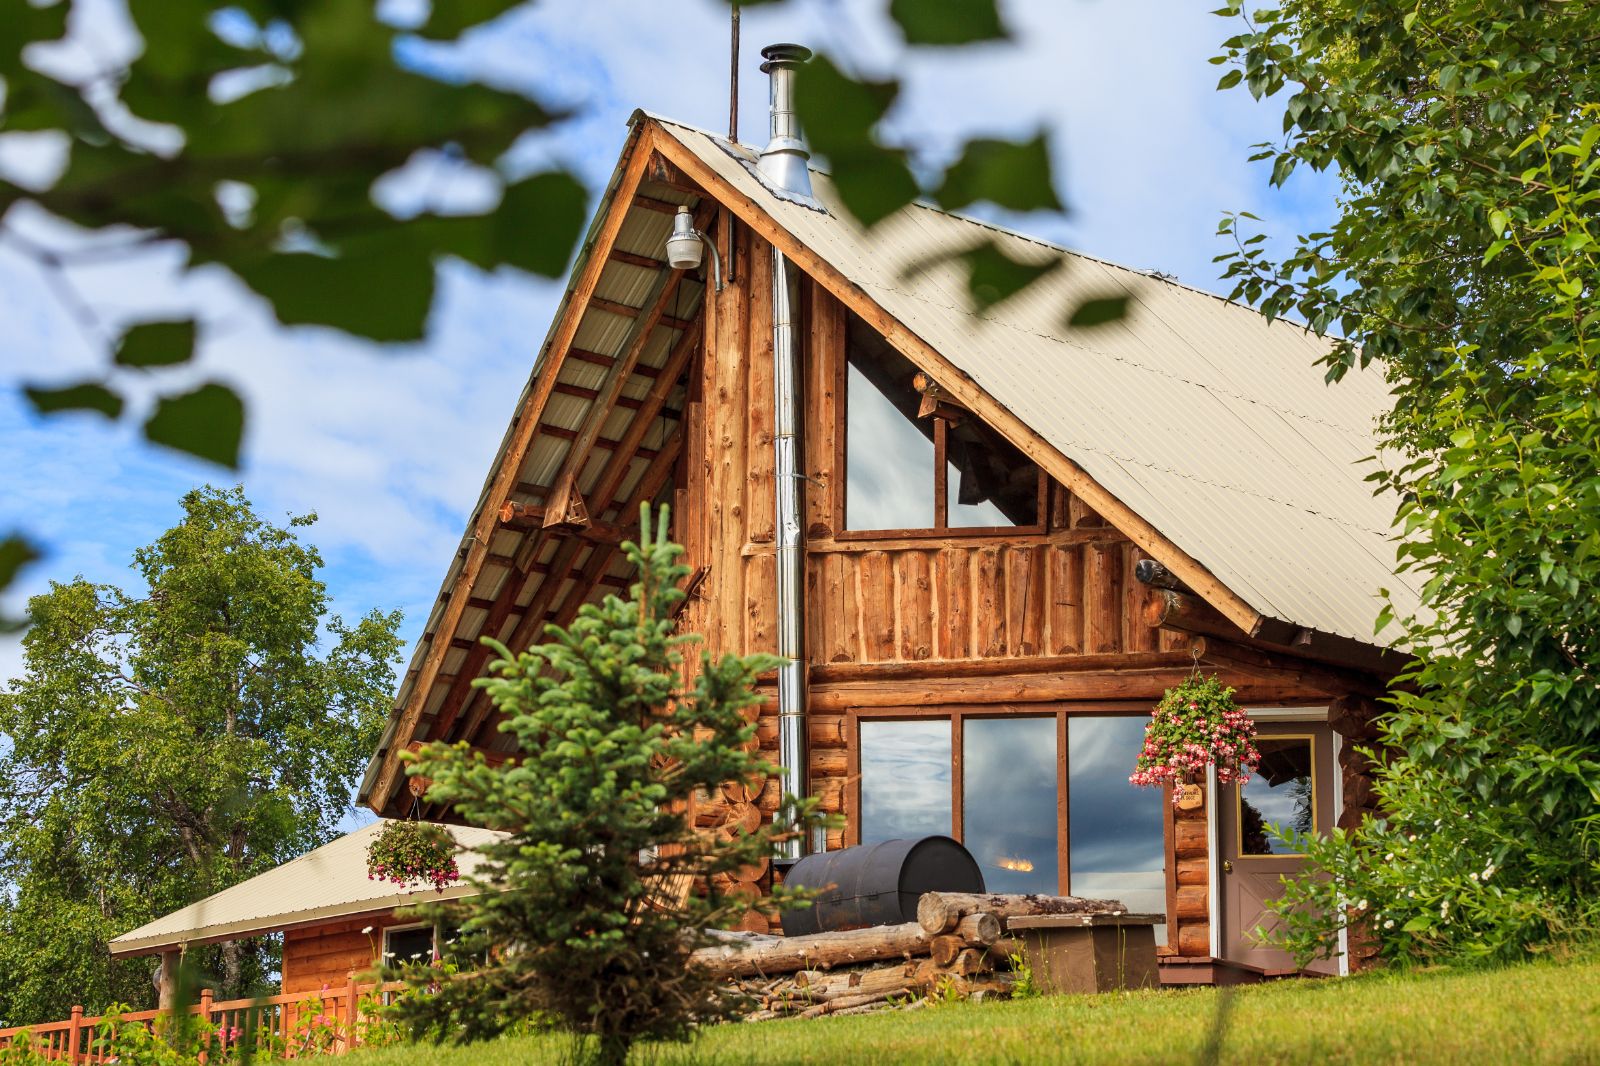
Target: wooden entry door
<point>1292,788</point>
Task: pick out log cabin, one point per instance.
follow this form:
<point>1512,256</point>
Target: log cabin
<point>986,542</point>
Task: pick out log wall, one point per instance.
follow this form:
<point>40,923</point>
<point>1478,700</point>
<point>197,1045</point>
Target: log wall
<point>903,620</point>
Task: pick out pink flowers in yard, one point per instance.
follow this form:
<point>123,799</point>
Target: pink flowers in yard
<point>1196,725</point>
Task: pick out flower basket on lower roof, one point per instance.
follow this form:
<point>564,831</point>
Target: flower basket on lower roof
<point>408,852</point>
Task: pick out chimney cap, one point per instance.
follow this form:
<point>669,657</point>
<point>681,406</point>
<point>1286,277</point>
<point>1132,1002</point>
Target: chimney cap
<point>775,54</point>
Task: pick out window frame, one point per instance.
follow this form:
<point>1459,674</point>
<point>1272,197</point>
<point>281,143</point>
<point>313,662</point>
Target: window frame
<point>940,488</point>
<point>407,927</point>
<point>957,714</point>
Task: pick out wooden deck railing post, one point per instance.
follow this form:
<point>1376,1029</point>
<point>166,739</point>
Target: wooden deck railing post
<point>73,1025</point>
<point>350,1013</point>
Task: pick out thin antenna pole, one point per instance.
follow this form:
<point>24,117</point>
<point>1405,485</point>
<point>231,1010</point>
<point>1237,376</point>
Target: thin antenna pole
<point>733,78</point>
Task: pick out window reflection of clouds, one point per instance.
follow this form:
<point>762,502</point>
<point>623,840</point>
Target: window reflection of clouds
<point>888,463</point>
<point>905,779</point>
<point>1280,792</point>
<point>1115,839</point>
<point>1008,793</point>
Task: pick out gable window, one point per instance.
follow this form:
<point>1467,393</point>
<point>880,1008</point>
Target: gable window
<point>914,461</point>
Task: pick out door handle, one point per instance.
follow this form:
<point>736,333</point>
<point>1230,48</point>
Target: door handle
<point>1227,867</point>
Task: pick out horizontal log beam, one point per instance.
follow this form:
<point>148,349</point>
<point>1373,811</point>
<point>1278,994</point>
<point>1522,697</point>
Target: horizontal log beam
<point>525,517</point>
<point>834,673</point>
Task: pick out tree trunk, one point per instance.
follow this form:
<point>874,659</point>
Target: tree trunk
<point>819,951</point>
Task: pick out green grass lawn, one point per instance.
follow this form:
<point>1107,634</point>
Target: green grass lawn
<point>1537,1013</point>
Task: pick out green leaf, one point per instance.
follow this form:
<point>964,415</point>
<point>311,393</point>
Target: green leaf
<point>157,344</point>
<point>1097,311</point>
<point>208,422</point>
<point>994,276</point>
<point>1409,20</point>
<point>840,114</point>
<point>450,18</point>
<point>1230,79</point>
<point>948,22</point>
<point>1417,925</point>
<point>87,396</point>
<point>1010,174</point>
<point>15,553</point>
<point>382,289</point>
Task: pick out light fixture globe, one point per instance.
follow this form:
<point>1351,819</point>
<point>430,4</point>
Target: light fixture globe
<point>684,248</point>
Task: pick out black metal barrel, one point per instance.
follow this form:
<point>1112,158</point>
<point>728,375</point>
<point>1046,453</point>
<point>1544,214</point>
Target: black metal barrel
<point>877,884</point>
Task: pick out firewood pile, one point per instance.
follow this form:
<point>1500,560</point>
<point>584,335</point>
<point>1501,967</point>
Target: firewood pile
<point>957,947</point>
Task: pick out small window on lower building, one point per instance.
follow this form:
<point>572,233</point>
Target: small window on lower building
<point>408,943</point>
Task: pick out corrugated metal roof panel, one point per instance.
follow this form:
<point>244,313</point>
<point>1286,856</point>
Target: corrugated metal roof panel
<point>1209,422</point>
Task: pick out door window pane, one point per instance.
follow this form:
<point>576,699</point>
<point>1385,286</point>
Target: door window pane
<point>987,481</point>
<point>1114,829</point>
<point>1280,793</point>
<point>888,450</point>
<point>905,779</point>
<point>1008,798</point>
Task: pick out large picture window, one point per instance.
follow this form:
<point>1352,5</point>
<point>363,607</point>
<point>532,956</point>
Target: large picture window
<point>1037,818</point>
<point>913,462</point>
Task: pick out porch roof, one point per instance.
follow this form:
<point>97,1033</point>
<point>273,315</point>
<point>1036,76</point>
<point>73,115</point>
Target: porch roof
<point>330,882</point>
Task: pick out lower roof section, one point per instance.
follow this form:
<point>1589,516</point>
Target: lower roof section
<point>330,882</point>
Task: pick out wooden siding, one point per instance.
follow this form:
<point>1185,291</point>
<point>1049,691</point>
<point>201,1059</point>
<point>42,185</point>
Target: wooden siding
<point>328,954</point>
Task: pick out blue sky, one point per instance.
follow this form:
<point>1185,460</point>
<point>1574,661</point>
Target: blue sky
<point>390,446</point>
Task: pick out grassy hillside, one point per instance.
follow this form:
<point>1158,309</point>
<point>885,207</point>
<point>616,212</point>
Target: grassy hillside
<point>1538,1013</point>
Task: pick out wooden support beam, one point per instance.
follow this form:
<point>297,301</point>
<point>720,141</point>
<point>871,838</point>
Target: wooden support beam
<point>1155,575</point>
<point>651,203</point>
<point>1191,614</point>
<point>599,560</point>
<point>1269,666</point>
<point>526,517</point>
<point>599,359</point>
<point>565,511</point>
<point>617,255</point>
<point>662,171</point>
<point>599,442</point>
<point>936,402</point>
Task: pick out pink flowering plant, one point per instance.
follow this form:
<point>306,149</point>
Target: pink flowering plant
<point>408,852</point>
<point>1196,724</point>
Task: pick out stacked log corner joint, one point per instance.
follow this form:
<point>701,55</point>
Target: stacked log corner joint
<point>958,946</point>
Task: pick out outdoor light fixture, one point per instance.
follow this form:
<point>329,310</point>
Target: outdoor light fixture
<point>686,247</point>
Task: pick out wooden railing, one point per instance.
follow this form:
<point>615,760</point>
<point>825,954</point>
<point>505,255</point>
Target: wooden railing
<point>296,1026</point>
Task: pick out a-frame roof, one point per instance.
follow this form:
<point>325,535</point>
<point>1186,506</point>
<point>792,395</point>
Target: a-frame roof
<point>1201,430</point>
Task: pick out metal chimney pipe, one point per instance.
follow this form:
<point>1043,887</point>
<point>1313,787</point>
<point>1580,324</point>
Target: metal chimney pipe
<point>783,160</point>
<point>791,548</point>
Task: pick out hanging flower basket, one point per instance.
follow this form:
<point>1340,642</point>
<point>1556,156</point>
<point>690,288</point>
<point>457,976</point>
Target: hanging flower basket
<point>408,852</point>
<point>1196,725</point>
